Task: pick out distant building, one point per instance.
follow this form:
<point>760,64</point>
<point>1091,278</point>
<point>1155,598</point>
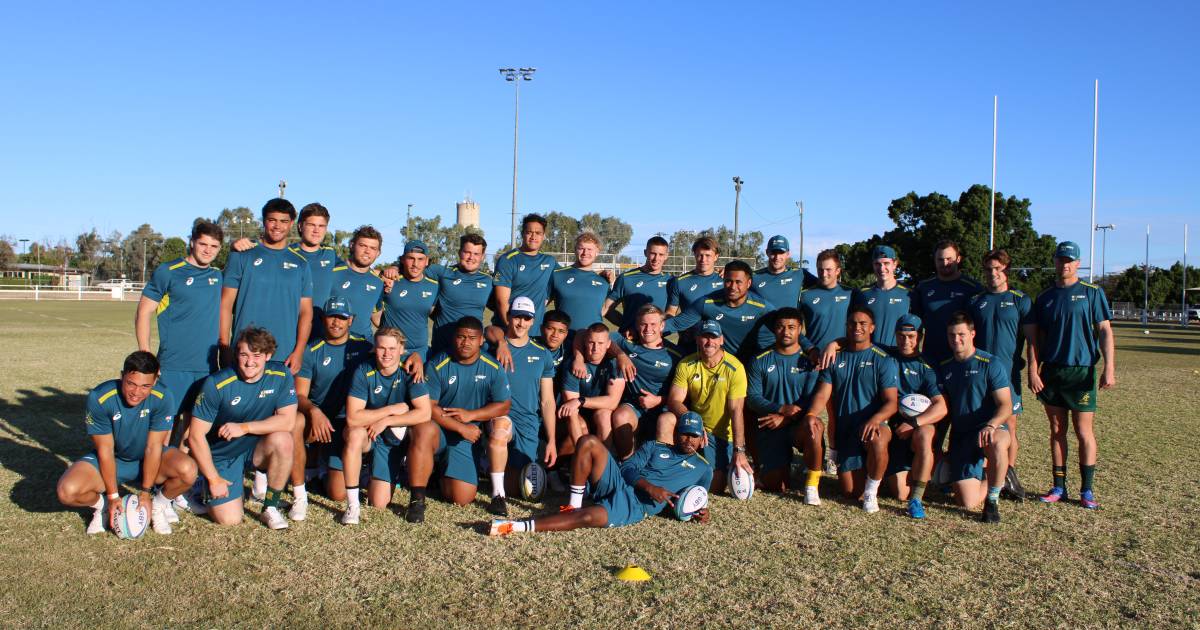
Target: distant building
<point>468,213</point>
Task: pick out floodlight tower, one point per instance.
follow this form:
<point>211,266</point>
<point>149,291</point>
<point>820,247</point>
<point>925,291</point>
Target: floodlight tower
<point>515,76</point>
<point>737,197</point>
<point>282,185</point>
<point>1104,246</point>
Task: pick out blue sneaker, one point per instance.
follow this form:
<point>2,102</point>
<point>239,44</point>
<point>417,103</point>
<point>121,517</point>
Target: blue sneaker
<point>1055,495</point>
<point>1088,500</point>
<point>916,509</point>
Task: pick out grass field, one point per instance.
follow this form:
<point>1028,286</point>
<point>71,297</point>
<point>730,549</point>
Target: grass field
<point>768,562</point>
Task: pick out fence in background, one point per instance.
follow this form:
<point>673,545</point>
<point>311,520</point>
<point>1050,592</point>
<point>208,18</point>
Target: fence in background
<point>127,292</point>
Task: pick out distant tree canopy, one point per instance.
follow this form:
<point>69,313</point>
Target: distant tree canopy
<point>561,230</point>
<point>1166,285</point>
<point>441,241</point>
<point>752,244</point>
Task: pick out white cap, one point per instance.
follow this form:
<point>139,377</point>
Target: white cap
<point>523,306</point>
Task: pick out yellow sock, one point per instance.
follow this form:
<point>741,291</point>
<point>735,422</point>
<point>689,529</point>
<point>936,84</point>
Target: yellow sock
<point>814,477</point>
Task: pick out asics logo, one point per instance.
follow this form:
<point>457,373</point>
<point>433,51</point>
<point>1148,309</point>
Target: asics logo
<point>189,281</point>
<point>257,262</point>
<point>235,401</point>
<point>346,284</point>
<point>452,380</point>
<point>378,389</point>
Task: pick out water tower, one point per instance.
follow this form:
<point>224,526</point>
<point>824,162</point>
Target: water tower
<point>468,213</point>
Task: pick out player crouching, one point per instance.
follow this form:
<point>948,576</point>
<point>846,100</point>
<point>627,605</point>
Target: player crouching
<point>623,494</point>
<point>129,421</point>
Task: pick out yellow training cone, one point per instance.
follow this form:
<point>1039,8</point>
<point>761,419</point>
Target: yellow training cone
<point>633,573</point>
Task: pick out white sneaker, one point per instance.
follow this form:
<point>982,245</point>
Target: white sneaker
<point>273,519</point>
<point>158,518</point>
<point>256,493</point>
<point>830,467</point>
<point>96,525</point>
<point>299,510</point>
<point>811,497</point>
<point>350,516</point>
<point>168,507</point>
<point>870,504</point>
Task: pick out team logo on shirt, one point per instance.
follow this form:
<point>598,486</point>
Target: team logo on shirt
<point>189,281</point>
<point>931,292</point>
<point>694,287</point>
<point>521,268</point>
<point>371,287</point>
<point>686,464</point>
<point>1078,297</point>
<point>895,300</point>
<point>838,298</point>
<point>378,388</point>
<point>325,263</point>
<point>983,305</point>
<point>661,284</point>
<point>762,284</point>
<point>816,301</point>
<point>404,293</point>
<point>570,280</point>
<point>116,416</point>
<point>144,413</point>
<point>720,316</point>
<point>596,283</point>
<point>212,281</point>
<point>88,419</point>
<point>545,266</point>
<point>327,360</point>
<point>770,368</point>
<point>841,365</point>
<point>747,318</point>
<point>639,284</point>
<point>480,285</point>
<point>661,364</point>
<point>532,358</point>
<point>870,301</point>
<point>257,262</point>
<point>425,294</point>
<point>452,380</point>
<point>1005,304</point>
<point>480,377</point>
<point>266,392</point>
<point>664,456</point>
<point>1049,302</point>
<point>695,377</point>
<point>235,401</point>
<point>457,281</point>
<point>288,265</point>
<point>346,284</point>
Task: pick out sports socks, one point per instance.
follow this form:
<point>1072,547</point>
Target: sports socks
<point>993,494</point>
<point>872,487</point>
<point>272,498</point>
<point>260,482</point>
<point>1060,477</point>
<point>1088,473</point>
<point>577,496</point>
<point>524,526</point>
<point>497,483</point>
<point>300,493</point>
<point>812,478</point>
<point>918,490</point>
<point>352,497</point>
<point>99,504</point>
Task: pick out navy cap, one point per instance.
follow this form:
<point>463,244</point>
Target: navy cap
<point>337,306</point>
<point>883,251</point>
<point>690,423</point>
<point>1068,250</point>
<point>711,327</point>
<point>778,243</point>
<point>908,323</point>
<point>415,246</point>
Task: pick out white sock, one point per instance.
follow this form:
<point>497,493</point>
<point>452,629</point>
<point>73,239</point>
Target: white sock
<point>523,527</point>
<point>299,493</point>
<point>352,497</point>
<point>872,487</point>
<point>577,496</point>
<point>497,484</point>
<point>99,504</point>
<point>260,482</point>
<point>160,498</point>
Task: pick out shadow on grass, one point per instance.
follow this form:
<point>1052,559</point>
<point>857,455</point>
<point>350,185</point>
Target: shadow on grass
<point>52,420</point>
<point>1163,349</point>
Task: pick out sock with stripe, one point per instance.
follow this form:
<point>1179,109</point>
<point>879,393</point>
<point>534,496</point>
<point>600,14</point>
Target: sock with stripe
<point>272,498</point>
<point>1060,477</point>
<point>993,494</point>
<point>918,490</point>
<point>577,496</point>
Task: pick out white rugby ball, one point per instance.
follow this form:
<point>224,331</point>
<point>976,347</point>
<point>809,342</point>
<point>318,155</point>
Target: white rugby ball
<point>533,481</point>
<point>131,518</point>
<point>691,499</point>
<point>914,405</point>
<point>741,484</point>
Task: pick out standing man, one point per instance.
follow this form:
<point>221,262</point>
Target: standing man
<point>910,453</point>
<point>779,282</point>
<point>937,298</point>
<point>358,286</point>
<point>1073,331</point>
<point>699,283</point>
<point>862,384</point>
<point>524,271</point>
<point>977,387</point>
<point>250,409</point>
<point>713,384</point>
<point>463,290</point>
<point>825,305</point>
<point>409,301</point>
<point>641,286</point>
<point>886,299</point>
<point>129,421</point>
<point>577,290</point>
<point>269,286</point>
<point>184,296</point>
<point>742,318</point>
<point>1003,324</point>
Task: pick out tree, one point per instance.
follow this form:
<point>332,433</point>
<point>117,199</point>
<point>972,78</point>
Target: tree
<point>441,242</point>
<point>172,249</point>
<point>142,249</point>
<point>561,230</point>
<point>339,240</point>
<point>88,247</point>
<point>1166,285</point>
<point>110,258</point>
<point>8,255</point>
<point>238,222</point>
<point>682,240</point>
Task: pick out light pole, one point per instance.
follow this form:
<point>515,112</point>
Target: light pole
<point>282,185</point>
<point>800,207</point>
<point>737,197</point>
<point>1104,246</point>
<point>25,246</point>
<point>1146,282</point>
<point>408,235</point>
<point>515,76</point>
<point>143,261</point>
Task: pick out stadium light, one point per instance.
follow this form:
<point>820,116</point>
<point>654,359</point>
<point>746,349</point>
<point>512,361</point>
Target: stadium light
<point>737,197</point>
<point>511,75</point>
<point>1104,246</point>
<point>25,246</point>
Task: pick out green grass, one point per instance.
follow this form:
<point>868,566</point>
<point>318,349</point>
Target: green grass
<point>771,561</point>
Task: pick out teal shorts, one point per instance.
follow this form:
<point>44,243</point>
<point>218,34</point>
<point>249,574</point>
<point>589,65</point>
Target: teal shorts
<point>183,385</point>
<point>458,455</point>
<point>127,470</point>
<point>331,453</point>
<point>616,497</point>
<point>851,454</point>
<point>900,453</point>
<point>387,459</point>
<point>774,448</point>
<point>966,458</point>
<point>719,453</point>
<point>230,458</point>
<point>523,448</point>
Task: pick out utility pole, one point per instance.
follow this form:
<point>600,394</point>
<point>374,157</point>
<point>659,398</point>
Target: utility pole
<point>737,197</point>
<point>1095,136</point>
<point>1104,247</point>
<point>1146,282</point>
<point>515,76</point>
<point>992,206</point>
<point>143,261</point>
<point>282,185</point>
<point>408,235</point>
<point>800,207</point>
<point>1183,301</point>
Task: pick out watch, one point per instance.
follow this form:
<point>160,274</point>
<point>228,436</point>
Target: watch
<point>739,449</point>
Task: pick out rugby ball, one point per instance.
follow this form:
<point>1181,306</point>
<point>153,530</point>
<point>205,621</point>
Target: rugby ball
<point>741,484</point>
<point>691,499</point>
<point>533,481</point>
<point>130,518</point>
<point>914,405</point>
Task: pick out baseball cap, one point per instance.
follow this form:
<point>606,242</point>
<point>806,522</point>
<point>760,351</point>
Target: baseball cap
<point>522,306</point>
<point>1068,250</point>
<point>908,323</point>
<point>883,251</point>
<point>690,423</point>
<point>415,246</point>
<point>711,327</point>
<point>778,243</point>
<point>337,306</point>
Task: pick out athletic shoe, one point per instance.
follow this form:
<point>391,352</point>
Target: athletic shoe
<point>299,510</point>
<point>158,518</point>
<point>96,525</point>
<point>273,519</point>
<point>498,506</point>
<point>1012,485</point>
<point>870,504</point>
<point>562,509</point>
<point>351,515</point>
<point>811,497</point>
<point>169,511</point>
<point>416,512</point>
<point>500,528</point>
<point>1055,495</point>
<point>830,467</point>
<point>991,512</point>
<point>1088,500</point>
<point>916,509</point>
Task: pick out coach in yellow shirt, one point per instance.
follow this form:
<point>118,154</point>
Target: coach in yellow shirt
<point>712,383</point>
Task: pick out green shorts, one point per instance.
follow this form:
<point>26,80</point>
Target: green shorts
<point>1069,386</point>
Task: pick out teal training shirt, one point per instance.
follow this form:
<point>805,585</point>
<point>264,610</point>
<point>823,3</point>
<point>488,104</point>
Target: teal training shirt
<point>407,307</point>
<point>599,375</point>
<point>188,315</point>
<point>580,294</point>
<point>968,386</point>
<point>777,379</point>
<point>859,378</point>
<point>466,385</point>
<point>824,312</point>
<point>1000,320</point>
<point>329,368</point>
<point>636,288</point>
<point>783,288</point>
<point>667,468</point>
<point>526,275</point>
<point>917,377</point>
<point>460,294</point>
<point>746,326</point>
<point>691,287</point>
<point>887,305</point>
<point>375,389</point>
<point>320,266</point>
<point>107,414</point>
<point>362,291</point>
<point>270,284</point>
<point>531,363</point>
<point>653,368</point>
<point>935,301</point>
<point>225,398</point>
<point>1067,318</point>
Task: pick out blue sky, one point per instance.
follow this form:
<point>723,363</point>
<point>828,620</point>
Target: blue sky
<point>118,113</point>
